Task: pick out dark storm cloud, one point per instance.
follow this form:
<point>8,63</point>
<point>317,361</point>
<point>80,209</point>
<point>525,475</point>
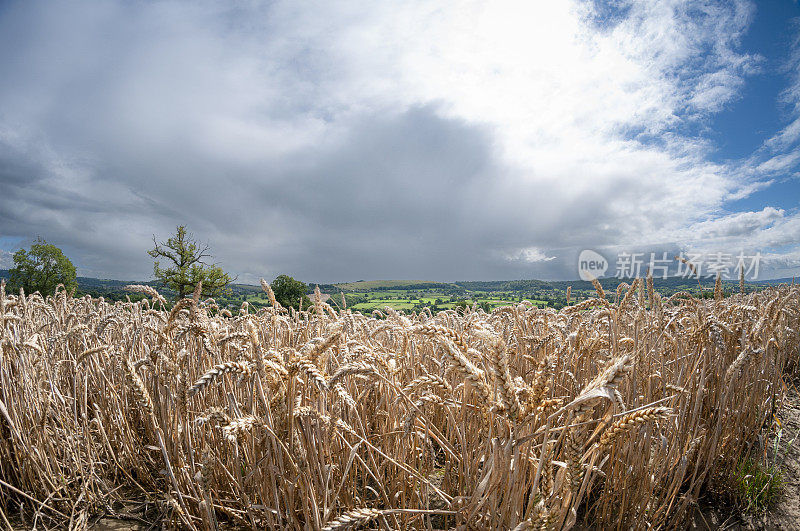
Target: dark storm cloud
<point>390,193</point>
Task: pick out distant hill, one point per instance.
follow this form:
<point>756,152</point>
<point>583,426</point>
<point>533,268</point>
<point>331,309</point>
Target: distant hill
<point>504,285</point>
<point>608,283</point>
<point>778,281</point>
<point>371,285</point>
<point>92,282</point>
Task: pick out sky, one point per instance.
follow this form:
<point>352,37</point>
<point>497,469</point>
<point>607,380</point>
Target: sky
<point>437,140</point>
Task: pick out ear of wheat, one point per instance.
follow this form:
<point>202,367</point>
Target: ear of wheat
<point>608,414</point>
<point>352,519</point>
<point>217,371</point>
<point>629,421</point>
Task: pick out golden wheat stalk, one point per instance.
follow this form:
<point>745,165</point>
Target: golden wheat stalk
<point>307,367</point>
<point>352,518</point>
<point>629,421</point>
<point>358,368</point>
<point>138,388</point>
<point>471,373</point>
<point>217,371</point>
<point>428,380</point>
<point>237,428</point>
<point>741,279</point>
<point>538,521</point>
<point>147,290</point>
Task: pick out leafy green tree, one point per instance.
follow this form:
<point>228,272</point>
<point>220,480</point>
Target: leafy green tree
<point>186,266</point>
<point>41,269</point>
<point>290,292</point>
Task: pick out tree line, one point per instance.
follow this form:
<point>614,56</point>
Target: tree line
<point>180,264</point>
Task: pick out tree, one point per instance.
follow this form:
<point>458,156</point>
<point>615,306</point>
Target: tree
<point>42,269</point>
<point>187,266</point>
<point>290,292</point>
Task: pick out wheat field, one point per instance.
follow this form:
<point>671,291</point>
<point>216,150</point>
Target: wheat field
<point>613,413</point>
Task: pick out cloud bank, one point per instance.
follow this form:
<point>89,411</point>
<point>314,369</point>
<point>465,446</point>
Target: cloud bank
<point>343,140</point>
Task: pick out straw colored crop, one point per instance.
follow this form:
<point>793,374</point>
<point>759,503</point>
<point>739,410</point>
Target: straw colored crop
<point>617,414</point>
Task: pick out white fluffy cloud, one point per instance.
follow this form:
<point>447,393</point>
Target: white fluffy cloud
<point>343,140</point>
<point>742,224</point>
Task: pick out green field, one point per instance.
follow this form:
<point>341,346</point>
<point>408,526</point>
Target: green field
<point>414,295</point>
<point>378,295</point>
<point>408,300</point>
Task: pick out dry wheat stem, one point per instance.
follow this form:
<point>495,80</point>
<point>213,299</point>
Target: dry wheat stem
<point>522,417</point>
